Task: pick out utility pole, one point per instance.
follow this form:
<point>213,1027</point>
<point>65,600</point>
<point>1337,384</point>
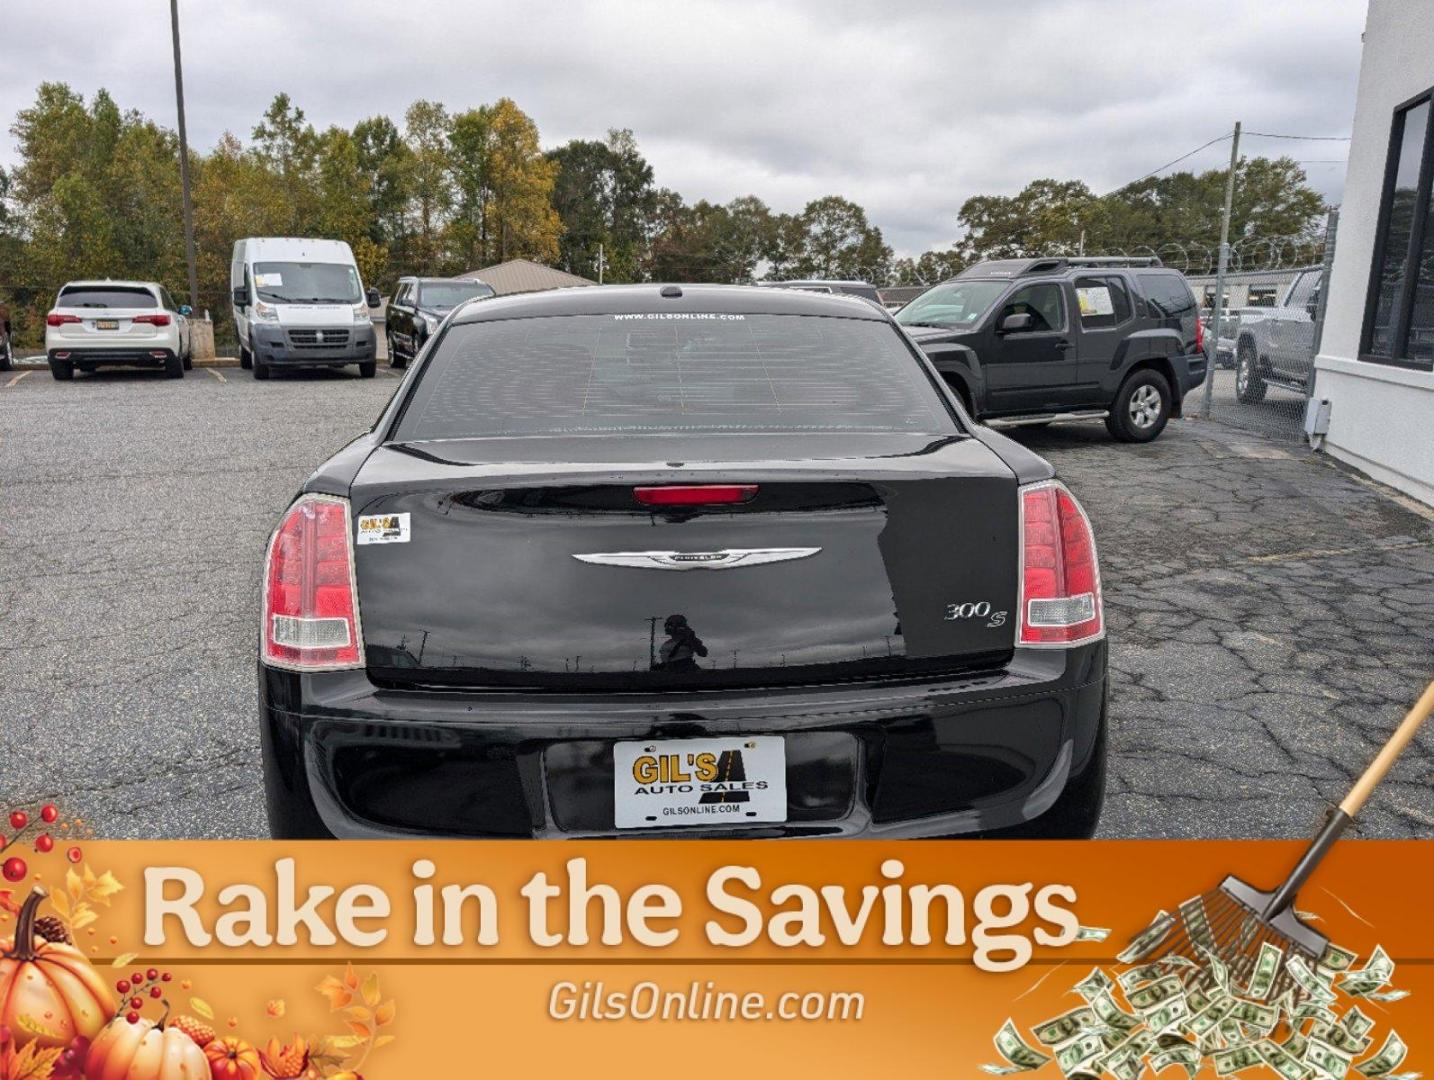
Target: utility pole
<point>184,161</point>
<point>1218,312</point>
<point>600,264</point>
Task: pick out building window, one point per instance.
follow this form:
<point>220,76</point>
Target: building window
<point>1399,316</point>
<point>1262,296</point>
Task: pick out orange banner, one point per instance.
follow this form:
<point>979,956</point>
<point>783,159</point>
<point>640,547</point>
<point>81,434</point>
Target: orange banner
<point>451,959</point>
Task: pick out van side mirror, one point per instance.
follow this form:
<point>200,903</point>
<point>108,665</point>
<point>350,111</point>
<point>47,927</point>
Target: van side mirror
<point>1016,323</point>
<point>241,296</point>
<point>374,300</point>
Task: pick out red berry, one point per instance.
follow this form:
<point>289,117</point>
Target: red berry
<point>152,974</point>
<point>132,1017</point>
<point>19,819</point>
<point>74,854</point>
<point>44,843</point>
<point>136,1003</point>
<point>14,869</point>
<point>49,813</point>
<point>122,986</point>
<point>137,978</point>
<point>166,977</point>
<point>155,991</point>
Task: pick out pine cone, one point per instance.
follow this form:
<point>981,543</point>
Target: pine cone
<point>52,929</point>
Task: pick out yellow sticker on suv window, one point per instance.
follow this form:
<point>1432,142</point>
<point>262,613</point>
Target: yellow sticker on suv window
<point>383,529</point>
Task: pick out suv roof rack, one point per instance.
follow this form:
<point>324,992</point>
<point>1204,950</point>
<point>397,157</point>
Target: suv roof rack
<point>1012,268</point>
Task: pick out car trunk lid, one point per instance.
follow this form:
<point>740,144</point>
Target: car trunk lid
<point>529,562</point>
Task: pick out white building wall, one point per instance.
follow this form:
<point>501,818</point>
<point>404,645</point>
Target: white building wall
<point>1381,417</point>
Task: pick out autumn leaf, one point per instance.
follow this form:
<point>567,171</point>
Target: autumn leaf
<point>7,902</point>
<point>339,1042</point>
<point>383,1040</point>
<point>338,994</point>
<point>363,1031</point>
<point>276,1008</point>
<point>102,888</point>
<point>384,1014</point>
<point>123,960</point>
<point>74,885</point>
<point>33,1063</point>
<point>371,993</point>
<point>202,1007</point>
<point>351,979</point>
<point>359,1013</point>
<point>61,903</point>
<point>84,915</point>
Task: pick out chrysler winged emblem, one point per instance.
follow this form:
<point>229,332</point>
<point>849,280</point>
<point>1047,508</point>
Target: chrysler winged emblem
<point>696,560</point>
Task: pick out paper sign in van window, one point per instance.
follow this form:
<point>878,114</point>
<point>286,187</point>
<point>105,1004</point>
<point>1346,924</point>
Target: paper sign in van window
<point>265,281</point>
<point>1095,300</point>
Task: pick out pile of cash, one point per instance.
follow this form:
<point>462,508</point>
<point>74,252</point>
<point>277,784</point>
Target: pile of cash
<point>1302,1019</point>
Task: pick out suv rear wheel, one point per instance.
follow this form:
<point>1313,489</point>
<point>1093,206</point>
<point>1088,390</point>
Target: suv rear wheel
<point>1141,407</point>
<point>174,366</point>
<point>1249,386</point>
<point>62,370</point>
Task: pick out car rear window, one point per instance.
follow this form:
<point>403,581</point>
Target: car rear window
<point>681,372</point>
<point>106,296</point>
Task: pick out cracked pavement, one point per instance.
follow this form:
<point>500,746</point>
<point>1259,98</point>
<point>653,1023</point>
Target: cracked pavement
<point>1271,614</point>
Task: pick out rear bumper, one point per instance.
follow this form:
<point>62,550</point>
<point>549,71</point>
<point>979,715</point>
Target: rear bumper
<point>313,346</point>
<point>136,356</point>
<point>343,757</point>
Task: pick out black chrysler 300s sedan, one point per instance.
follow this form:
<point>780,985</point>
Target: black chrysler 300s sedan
<point>705,560</point>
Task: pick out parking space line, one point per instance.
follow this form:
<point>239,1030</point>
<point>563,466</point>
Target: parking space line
<point>215,373</point>
<point>17,378</point>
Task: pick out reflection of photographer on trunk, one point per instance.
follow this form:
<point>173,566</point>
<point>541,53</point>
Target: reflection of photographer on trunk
<point>682,647</point>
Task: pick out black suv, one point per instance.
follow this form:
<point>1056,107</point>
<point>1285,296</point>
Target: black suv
<point>418,306</point>
<point>1031,341</point>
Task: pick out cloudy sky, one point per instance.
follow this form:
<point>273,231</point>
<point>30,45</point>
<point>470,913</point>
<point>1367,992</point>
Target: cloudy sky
<point>906,108</point>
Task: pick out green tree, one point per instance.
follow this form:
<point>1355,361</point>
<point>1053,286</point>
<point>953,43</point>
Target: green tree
<point>427,127</point>
<point>837,241</point>
<point>604,195</point>
<point>385,162</point>
<point>289,147</point>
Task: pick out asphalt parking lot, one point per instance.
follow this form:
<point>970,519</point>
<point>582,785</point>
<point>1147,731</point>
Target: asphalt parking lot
<point>1271,614</point>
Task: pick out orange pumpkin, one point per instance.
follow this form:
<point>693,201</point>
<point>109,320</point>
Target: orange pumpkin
<point>49,994</point>
<point>231,1058</point>
<point>144,1051</point>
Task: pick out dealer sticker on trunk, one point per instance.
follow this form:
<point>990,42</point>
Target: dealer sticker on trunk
<point>383,529</point>
<point>713,782</point>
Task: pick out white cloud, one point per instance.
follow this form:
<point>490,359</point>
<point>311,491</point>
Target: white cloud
<point>907,109</point>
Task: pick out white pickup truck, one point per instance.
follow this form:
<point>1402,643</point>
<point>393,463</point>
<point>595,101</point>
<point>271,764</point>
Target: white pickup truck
<point>1276,345</point>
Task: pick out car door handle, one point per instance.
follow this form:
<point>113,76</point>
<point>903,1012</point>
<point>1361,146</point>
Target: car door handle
<point>1061,345</point>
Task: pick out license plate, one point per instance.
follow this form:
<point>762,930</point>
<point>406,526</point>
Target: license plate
<point>106,324</point>
<point>662,783</point>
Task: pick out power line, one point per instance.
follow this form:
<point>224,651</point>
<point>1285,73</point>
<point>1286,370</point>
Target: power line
<point>1177,161</point>
<point>1306,138</point>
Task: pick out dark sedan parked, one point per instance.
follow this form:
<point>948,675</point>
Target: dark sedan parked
<point>418,306</point>
<point>706,560</point>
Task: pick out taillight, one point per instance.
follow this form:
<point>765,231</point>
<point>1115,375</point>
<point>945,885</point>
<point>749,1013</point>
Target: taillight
<point>153,320</point>
<point>1199,334</point>
<point>311,619</point>
<point>694,494</point>
<point>56,319</point>
<point>1060,577</point>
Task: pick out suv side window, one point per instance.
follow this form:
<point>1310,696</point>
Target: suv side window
<point>1103,302</point>
<point>1168,295</point>
<point>1043,302</point>
<point>401,296</point>
<point>166,300</point>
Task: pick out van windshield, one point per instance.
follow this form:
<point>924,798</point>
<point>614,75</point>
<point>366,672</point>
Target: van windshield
<point>306,283</point>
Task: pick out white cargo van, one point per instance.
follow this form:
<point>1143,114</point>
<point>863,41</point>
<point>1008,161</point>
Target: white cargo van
<point>300,303</point>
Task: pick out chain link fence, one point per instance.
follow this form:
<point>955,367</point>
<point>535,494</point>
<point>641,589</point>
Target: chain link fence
<point>1263,354</point>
